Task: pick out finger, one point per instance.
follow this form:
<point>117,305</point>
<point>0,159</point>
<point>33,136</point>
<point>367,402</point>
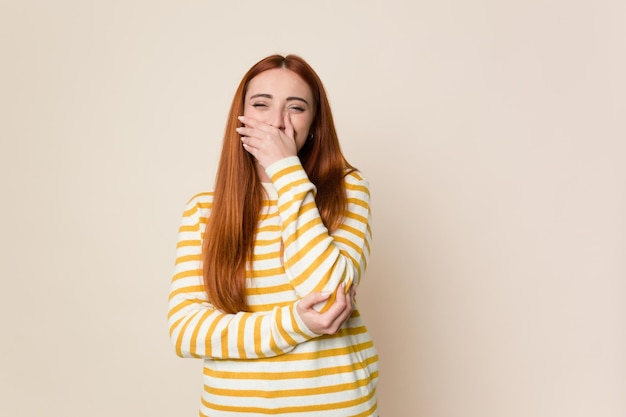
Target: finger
<point>336,308</point>
<point>349,302</point>
<point>345,302</point>
<point>289,130</point>
<point>245,141</point>
<point>249,122</point>
<point>314,298</point>
<point>353,292</point>
<point>249,132</point>
<point>339,305</point>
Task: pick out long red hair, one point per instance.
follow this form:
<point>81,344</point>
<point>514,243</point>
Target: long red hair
<point>228,242</point>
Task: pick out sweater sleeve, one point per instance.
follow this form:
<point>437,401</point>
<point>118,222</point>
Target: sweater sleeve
<point>316,260</point>
<point>198,329</point>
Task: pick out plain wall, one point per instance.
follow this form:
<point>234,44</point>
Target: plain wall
<point>493,137</point>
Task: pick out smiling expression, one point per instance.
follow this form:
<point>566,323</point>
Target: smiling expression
<point>274,93</point>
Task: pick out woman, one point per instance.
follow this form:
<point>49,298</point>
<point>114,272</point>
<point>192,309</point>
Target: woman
<point>267,265</point>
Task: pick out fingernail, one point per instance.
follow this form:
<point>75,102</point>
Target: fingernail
<point>240,118</point>
<point>238,129</point>
<point>325,293</point>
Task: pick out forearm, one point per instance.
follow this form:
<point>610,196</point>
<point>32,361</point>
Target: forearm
<point>314,259</point>
<point>197,329</point>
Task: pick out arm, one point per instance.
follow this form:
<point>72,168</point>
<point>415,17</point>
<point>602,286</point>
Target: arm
<point>316,260</point>
<point>197,329</point>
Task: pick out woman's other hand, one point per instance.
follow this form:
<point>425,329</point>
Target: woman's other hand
<point>331,320</point>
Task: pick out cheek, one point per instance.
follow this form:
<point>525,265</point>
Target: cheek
<point>302,126</point>
<point>302,131</point>
<point>248,111</point>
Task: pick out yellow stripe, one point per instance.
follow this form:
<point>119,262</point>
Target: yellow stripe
<point>296,199</point>
<point>358,202</point>
<point>293,409</point>
<point>269,290</point>
<point>264,273</point>
<point>266,256</point>
<point>193,345</point>
<point>240,337</point>
<point>281,329</point>
<point>354,174</point>
<point>346,242</point>
<point>202,194</point>
<point>186,290</point>
<point>199,205</point>
<point>175,325</point>
<point>297,183</point>
<point>266,242</point>
<point>285,171</point>
<point>356,232</point>
<point>294,323</point>
<point>208,342</point>
<point>188,243</point>
<point>357,187</point>
<point>356,217</point>
<point>179,339</point>
<point>303,228</point>
<point>300,392</point>
<point>257,337</point>
<point>312,268</point>
<point>326,353</point>
<point>270,227</point>
<point>188,258</point>
<point>180,306</point>
<point>268,202</point>
<point>304,250</point>
<point>313,373</point>
<point>274,346</point>
<point>269,212</point>
<point>373,408</point>
<point>192,228</point>
<point>295,216</point>
<point>187,214</point>
<point>322,284</point>
<point>260,308</point>
<point>224,340</point>
<point>187,274</point>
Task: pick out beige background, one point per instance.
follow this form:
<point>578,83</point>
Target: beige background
<point>492,133</point>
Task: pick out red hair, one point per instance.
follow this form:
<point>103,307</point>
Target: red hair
<point>228,242</point>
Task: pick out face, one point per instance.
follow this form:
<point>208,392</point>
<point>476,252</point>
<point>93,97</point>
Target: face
<point>274,93</point>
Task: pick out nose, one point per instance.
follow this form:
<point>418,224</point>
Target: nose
<point>276,119</point>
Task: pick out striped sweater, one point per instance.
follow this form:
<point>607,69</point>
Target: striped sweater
<point>266,361</point>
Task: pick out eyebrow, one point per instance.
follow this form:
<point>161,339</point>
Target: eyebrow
<point>264,95</point>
